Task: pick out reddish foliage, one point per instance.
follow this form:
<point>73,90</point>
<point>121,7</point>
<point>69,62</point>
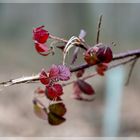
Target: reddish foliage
<point>85,87</point>
<point>60,72</point>
<point>64,73</point>
<point>98,54</point>
<point>54,71</point>
<point>40,35</point>
<point>81,94</point>
<point>104,54</point>
<point>54,91</point>
<point>41,47</point>
<point>44,79</point>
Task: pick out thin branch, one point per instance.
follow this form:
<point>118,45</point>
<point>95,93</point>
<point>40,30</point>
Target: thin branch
<point>27,79</point>
<point>126,54</point>
<point>131,70</point>
<point>115,57</point>
<point>133,54</point>
<point>80,44</point>
<point>99,29</point>
<point>95,73</point>
<point>58,38</point>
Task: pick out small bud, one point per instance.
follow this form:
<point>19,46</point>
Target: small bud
<point>101,68</point>
<point>79,73</point>
<point>90,56</point>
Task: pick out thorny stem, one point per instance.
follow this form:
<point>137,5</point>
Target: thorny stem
<point>126,56</point>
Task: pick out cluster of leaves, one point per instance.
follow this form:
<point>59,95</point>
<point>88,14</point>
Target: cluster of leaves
<point>52,91</point>
<point>54,113</point>
<point>99,55</point>
<point>40,37</point>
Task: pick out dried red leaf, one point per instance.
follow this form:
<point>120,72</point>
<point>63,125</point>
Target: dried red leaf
<point>58,109</point>
<point>78,94</point>
<point>43,77</point>
<point>104,54</point>
<point>54,71</point>
<point>85,87</point>
<point>54,91</point>
<point>40,35</point>
<point>50,97</point>
<point>42,49</point>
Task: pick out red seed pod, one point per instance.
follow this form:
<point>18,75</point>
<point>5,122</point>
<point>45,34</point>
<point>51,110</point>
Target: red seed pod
<point>104,54</point>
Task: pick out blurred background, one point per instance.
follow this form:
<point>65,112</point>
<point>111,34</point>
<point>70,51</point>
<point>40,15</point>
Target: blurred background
<point>121,24</point>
